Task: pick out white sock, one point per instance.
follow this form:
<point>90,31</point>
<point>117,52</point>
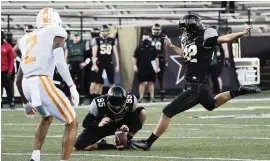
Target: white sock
<point>63,160</point>
<point>36,155</point>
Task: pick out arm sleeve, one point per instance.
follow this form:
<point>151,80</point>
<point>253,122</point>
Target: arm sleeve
<point>10,59</point>
<point>59,31</point>
<point>210,38</point>
<point>135,102</point>
<point>93,108</point>
<point>90,120</point>
<point>93,42</point>
<point>61,65</point>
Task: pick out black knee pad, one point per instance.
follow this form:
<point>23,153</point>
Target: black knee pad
<point>136,127</point>
<point>167,111</point>
<point>211,105</point>
<point>79,144</point>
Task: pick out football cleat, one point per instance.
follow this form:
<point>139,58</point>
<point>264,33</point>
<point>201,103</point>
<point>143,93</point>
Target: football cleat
<point>31,160</point>
<point>140,144</point>
<point>246,89</point>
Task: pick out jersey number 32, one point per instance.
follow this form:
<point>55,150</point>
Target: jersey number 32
<point>190,52</point>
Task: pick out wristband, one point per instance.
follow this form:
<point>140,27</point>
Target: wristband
<point>87,61</point>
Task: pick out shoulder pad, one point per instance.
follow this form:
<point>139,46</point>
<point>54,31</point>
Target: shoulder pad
<point>58,31</point>
<point>101,101</point>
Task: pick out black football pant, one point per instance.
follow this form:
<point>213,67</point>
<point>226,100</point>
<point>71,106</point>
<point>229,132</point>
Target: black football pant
<point>195,93</point>
<point>8,84</point>
<point>108,66</point>
<point>91,135</point>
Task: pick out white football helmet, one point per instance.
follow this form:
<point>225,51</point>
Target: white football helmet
<point>48,16</point>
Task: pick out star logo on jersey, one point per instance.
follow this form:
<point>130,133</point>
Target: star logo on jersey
<point>176,59</point>
<point>101,42</point>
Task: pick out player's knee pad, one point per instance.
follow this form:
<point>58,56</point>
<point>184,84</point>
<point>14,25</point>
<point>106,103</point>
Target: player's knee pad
<point>210,108</point>
<point>136,127</point>
<point>79,144</point>
<point>168,111</point>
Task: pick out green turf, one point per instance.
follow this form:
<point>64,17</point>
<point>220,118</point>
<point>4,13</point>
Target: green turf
<point>219,138</point>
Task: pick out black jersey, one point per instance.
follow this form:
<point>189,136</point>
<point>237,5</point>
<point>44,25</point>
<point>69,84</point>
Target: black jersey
<point>105,47</point>
<point>99,108</point>
<point>198,54</point>
<point>158,43</point>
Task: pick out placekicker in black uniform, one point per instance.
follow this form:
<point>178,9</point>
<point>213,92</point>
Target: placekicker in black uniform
<point>198,46</point>
<point>106,114</point>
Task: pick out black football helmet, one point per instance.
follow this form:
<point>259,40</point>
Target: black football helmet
<point>105,30</point>
<point>190,24</point>
<point>95,32</point>
<point>28,29</point>
<point>156,29</point>
<point>117,98</point>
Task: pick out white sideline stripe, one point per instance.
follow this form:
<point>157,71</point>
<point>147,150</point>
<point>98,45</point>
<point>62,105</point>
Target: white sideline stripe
<point>163,137</point>
<point>221,125</point>
<point>138,156</point>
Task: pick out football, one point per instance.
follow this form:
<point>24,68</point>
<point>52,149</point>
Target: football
<point>120,139</point>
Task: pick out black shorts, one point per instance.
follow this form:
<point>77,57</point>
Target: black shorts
<point>195,93</point>
<point>219,68</point>
<point>108,66</point>
<point>93,134</point>
<point>146,75</point>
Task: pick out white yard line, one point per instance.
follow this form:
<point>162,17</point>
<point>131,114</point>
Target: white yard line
<point>162,137</point>
<point>137,156</point>
<point>219,125</point>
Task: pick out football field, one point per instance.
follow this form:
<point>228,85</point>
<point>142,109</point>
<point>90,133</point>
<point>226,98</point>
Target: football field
<point>237,131</point>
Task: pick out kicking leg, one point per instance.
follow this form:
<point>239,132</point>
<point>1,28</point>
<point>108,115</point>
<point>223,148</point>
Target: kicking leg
<point>40,135</point>
<point>183,102</point>
<point>223,97</point>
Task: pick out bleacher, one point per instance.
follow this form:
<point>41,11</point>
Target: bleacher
<point>141,13</point>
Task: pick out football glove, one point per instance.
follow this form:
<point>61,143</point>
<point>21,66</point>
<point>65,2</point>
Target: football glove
<point>75,97</point>
<point>29,110</point>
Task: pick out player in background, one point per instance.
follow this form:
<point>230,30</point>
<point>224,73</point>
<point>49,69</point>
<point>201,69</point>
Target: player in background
<point>158,42</point>
<point>75,56</point>
<point>106,114</point>
<point>42,51</point>
<point>103,48</point>
<point>198,47</point>
<point>220,58</point>
<point>91,75</point>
